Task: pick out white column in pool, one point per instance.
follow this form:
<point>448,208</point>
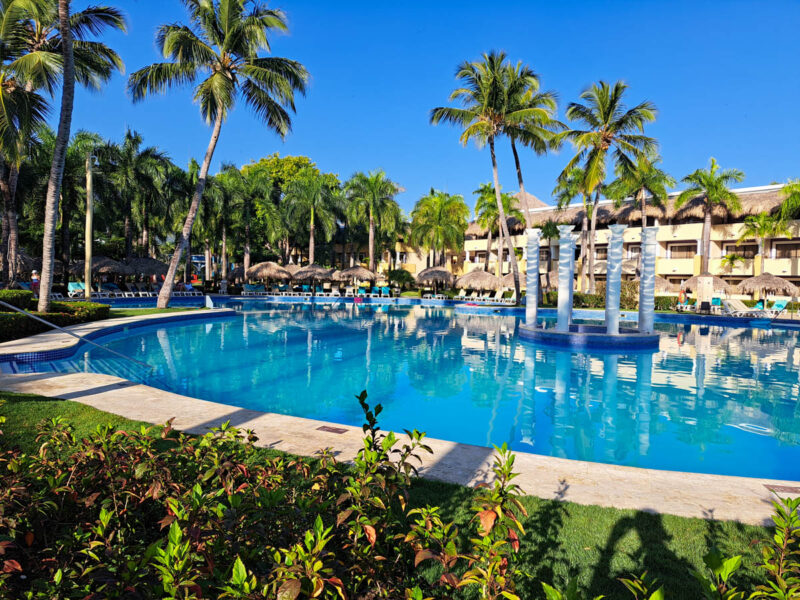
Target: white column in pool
<point>647,282</point>
<point>613,278</point>
<point>532,264</point>
<point>566,270</point>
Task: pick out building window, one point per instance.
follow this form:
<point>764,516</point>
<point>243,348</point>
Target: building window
<point>745,251</point>
<point>787,250</point>
<point>544,254</point>
<point>633,251</point>
<point>402,257</point>
<point>682,250</point>
<point>601,252</point>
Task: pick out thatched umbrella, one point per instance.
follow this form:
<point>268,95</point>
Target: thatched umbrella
<point>479,280</point>
<point>433,275</point>
<point>508,279</point>
<point>313,271</point>
<point>292,268</point>
<point>146,266</point>
<point>768,283</point>
<point>237,273</point>
<point>103,266</point>
<point>268,270</point>
<point>720,285</point>
<point>357,272</point>
<point>663,285</point>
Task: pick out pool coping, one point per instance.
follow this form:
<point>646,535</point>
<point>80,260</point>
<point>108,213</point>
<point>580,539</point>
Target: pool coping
<point>744,499</point>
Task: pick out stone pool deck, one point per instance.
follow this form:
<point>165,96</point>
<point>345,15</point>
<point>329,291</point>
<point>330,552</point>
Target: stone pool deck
<point>686,494</point>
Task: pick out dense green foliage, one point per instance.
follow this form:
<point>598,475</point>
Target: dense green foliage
<point>19,298</point>
<point>16,325</point>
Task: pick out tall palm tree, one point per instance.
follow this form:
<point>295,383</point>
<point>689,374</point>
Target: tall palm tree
<point>608,126</point>
<point>566,190</point>
<point>790,207</point>
<point>223,45</point>
<point>711,187</point>
<point>135,172</point>
<point>438,223</point>
<point>309,197</point>
<point>531,119</point>
<point>761,227</point>
<point>488,217</point>
<point>486,110</point>
<point>644,181</point>
<point>371,199</point>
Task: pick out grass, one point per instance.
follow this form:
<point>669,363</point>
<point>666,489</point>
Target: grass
<point>116,313</point>
<point>563,540</point>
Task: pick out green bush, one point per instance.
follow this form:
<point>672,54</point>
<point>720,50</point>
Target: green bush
<point>82,311</point>
<point>19,298</point>
<point>400,277</point>
<point>14,326</point>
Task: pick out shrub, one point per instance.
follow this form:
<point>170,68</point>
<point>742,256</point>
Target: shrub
<point>16,325</point>
<point>19,298</point>
<point>400,277</point>
<point>666,302</point>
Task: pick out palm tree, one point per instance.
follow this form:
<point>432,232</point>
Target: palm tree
<point>135,172</point>
<point>790,207</point>
<point>531,119</point>
<point>223,45</point>
<point>608,127</point>
<point>371,199</point>
<point>485,113</point>
<point>488,217</point>
<point>438,223</point>
<point>549,232</point>
<point>711,187</point>
<point>729,262</point>
<point>645,180</point>
<point>309,197</point>
<point>761,227</point>
<point>567,188</point>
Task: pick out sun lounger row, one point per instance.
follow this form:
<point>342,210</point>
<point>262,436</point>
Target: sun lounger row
<point>737,308</point>
<point>487,297</point>
<point>306,290</point>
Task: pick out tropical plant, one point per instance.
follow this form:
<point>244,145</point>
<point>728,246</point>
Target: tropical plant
<point>223,45</point>
<point>371,200</point>
<point>711,187</point>
<point>438,223</point>
<point>642,183</point>
<point>761,227</point>
<point>487,216</point>
<point>730,261</point>
<point>790,207</point>
<point>550,233</point>
<point>486,110</point>
<point>608,127</point>
<point>310,200</point>
<point>567,188</point>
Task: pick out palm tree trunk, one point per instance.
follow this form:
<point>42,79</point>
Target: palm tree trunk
<point>223,271</point>
<point>187,267</point>
<point>145,229</point>
<point>66,217</point>
<point>706,238</point>
<point>59,154</point>
<point>246,246</point>
<point>488,250</point>
<point>371,241</point>
<point>6,203</point>
<point>128,228</point>
<point>584,242</point>
<point>592,236</point>
<point>166,290</point>
<point>503,222</point>
<point>522,193</point>
<point>311,239</point>
<point>550,263</point>
<point>11,222</point>
<point>207,248</point>
<point>643,205</point>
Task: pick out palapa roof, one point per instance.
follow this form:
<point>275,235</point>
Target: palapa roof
<point>769,283</point>
<point>664,285</point>
<point>237,273</point>
<point>292,268</point>
<point>435,275</point>
<point>103,265</point>
<point>147,266</point>
<point>356,272</point>
<point>720,285</point>
<point>313,271</point>
<point>268,270</point>
<point>479,280</point>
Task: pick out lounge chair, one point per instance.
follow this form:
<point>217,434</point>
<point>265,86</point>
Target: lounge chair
<point>386,292</point>
<point>497,298</point>
<point>250,289</point>
<point>349,292</point>
<point>737,308</point>
<point>511,300</point>
<point>76,289</point>
<point>112,289</point>
<point>363,292</point>
<point>190,291</point>
<point>777,308</point>
<point>462,294</point>
<point>305,290</point>
<point>473,297</point>
<point>320,291</point>
<point>334,292</point>
<point>683,306</point>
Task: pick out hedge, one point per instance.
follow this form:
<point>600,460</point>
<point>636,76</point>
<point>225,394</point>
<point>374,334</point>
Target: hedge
<point>18,298</point>
<point>14,326</point>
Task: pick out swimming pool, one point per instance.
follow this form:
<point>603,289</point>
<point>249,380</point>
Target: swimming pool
<point>712,400</point>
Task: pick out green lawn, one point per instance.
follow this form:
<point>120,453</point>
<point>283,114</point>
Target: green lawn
<point>562,539</point>
<point>116,313</point>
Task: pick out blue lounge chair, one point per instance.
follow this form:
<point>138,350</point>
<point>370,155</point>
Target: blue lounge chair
<point>76,289</point>
<point>305,290</point>
<point>386,291</point>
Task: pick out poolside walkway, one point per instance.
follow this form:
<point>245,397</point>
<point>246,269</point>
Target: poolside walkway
<point>685,494</point>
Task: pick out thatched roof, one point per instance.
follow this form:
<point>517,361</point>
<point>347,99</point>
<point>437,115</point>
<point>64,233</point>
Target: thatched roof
<point>479,280</point>
<point>292,268</point>
<point>663,285</point>
<point>357,272</point>
<point>313,271</point>
<point>767,282</point>
<point>102,265</point>
<point>720,285</point>
<point>237,273</point>
<point>753,201</point>
<point>146,266</point>
<point>435,275</point>
<point>268,270</point>
<point>533,201</point>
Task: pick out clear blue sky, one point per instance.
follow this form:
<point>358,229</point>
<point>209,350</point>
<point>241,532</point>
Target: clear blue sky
<point>723,75</point>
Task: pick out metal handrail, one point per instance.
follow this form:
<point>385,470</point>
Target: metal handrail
<point>75,335</point>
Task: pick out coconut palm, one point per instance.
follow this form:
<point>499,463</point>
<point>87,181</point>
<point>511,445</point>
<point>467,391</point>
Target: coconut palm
<point>711,187</point>
<point>438,223</point>
<point>486,110</point>
<point>310,200</point>
<point>761,227</point>
<point>488,217</point>
<point>531,121</point>
<point>790,207</point>
<point>730,261</point>
<point>644,182</point>
<point>222,45</point>
<point>608,127</point>
<point>371,200</point>
<point>566,190</point>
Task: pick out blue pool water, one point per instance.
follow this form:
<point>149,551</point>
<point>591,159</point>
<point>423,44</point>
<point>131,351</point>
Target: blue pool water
<point>712,400</point>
